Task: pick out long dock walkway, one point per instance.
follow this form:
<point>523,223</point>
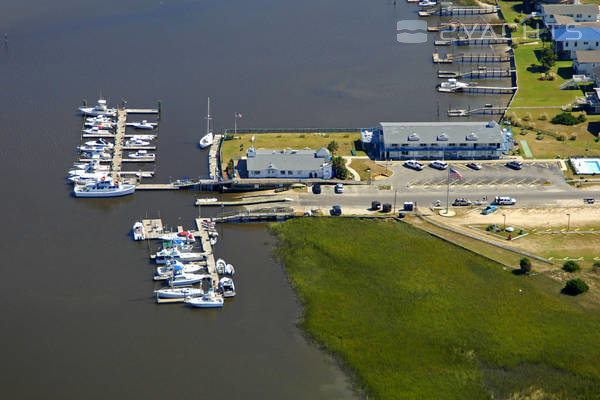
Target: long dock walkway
<point>207,250</point>
<point>118,149</point>
<point>244,202</point>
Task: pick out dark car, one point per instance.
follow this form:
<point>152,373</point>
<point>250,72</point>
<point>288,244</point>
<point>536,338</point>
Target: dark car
<point>514,164</point>
<point>336,210</point>
<point>316,189</point>
<point>462,202</point>
<point>375,205</point>
<point>474,166</point>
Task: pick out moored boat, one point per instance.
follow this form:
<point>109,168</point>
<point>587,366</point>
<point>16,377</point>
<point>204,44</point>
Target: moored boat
<point>164,255</point>
<point>182,279</point>
<point>105,187</point>
<point>226,287</point>
<point>94,130</point>
<point>144,125</point>
<point>142,155</point>
<point>208,300</point>
<point>138,231</point>
<point>178,292</point>
<point>99,109</point>
<point>207,140</point>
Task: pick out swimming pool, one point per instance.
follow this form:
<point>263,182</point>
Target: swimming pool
<point>586,166</point>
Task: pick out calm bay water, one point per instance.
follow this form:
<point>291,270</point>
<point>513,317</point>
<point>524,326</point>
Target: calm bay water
<point>79,320</point>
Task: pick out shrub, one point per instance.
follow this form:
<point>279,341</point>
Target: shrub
<point>527,117</point>
<point>525,265</point>
<point>596,266</point>
<point>573,137</point>
<point>511,116</point>
<point>562,137</point>
<point>550,76</point>
<point>539,137</point>
<point>543,117</point>
<point>517,19</point>
<point>339,168</point>
<point>576,286</point>
<point>512,28</point>
<point>302,136</point>
<point>229,168</point>
<point>581,117</point>
<point>332,146</point>
<point>570,266</point>
<point>565,118</point>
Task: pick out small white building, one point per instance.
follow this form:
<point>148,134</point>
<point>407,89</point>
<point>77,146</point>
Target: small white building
<point>289,163</point>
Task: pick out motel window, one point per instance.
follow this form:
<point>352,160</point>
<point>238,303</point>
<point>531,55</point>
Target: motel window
<point>405,153</point>
<point>289,172</point>
<point>452,144</point>
<point>405,145</point>
<point>463,145</point>
<point>575,44</point>
<point>299,172</point>
<point>423,144</point>
<point>585,43</point>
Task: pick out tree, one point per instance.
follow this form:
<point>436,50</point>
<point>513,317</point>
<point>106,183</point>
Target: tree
<point>525,264</point>
<point>339,168</point>
<point>575,287</point>
<point>547,58</point>
<point>570,266</point>
<point>566,118</point>
<point>332,146</point>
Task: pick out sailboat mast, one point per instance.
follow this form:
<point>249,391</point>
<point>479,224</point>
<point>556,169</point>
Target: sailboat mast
<point>208,118</point>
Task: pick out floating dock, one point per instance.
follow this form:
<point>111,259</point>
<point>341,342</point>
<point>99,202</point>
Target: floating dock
<point>243,202</point>
<point>477,74</point>
<point>479,90</point>
<point>472,42</point>
<point>470,58</point>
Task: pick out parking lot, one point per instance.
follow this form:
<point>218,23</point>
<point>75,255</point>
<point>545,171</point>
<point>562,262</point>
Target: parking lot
<point>491,174</point>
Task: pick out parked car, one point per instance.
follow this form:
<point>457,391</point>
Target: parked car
<point>387,207</point>
<point>588,200</point>
<point>514,164</point>
<point>462,202</point>
<point>336,210</point>
<point>375,205</point>
<point>316,188</point>
<point>438,165</point>
<point>414,165</point>
<point>474,165</point>
<point>489,210</point>
<point>339,188</point>
<point>504,201</point>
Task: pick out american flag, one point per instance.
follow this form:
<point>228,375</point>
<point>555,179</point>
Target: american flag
<point>455,174</point>
<point>238,115</point>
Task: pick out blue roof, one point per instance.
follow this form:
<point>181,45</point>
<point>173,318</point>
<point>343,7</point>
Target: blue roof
<point>574,33</point>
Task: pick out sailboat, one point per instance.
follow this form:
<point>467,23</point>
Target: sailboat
<point>207,140</point>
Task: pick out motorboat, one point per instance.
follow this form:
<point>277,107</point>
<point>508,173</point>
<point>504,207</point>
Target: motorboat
<point>142,155</point>
<point>101,119</point>
<point>92,148</point>
<point>178,292</point>
<point>166,271</point>
<point>99,142</point>
<point>452,85</point>
<point>427,3</point>
<point>99,109</point>
<point>142,137</point>
<point>183,236</point>
<point>143,125</point>
<point>94,130</point>
<point>105,187</point>
<point>167,254</point>
<point>136,143</point>
<point>180,278</point>
<point>102,126</point>
<point>87,168</point>
<point>226,287</point>
<point>208,300</point>
<point>96,155</point>
<point>206,200</point>
<point>223,268</point>
<point>87,177</point>
<point>138,231</point>
<point>208,139</point>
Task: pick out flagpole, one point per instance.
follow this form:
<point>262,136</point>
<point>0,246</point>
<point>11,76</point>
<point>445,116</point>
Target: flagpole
<point>448,192</point>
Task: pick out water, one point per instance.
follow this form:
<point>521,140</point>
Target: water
<point>79,321</point>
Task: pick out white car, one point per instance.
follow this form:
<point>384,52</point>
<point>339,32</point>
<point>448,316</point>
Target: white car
<point>504,201</point>
<point>438,165</point>
<point>414,165</point>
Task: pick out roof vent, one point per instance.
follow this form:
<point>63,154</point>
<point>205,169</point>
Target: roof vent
<point>442,137</point>
<point>413,137</point>
<point>472,136</point>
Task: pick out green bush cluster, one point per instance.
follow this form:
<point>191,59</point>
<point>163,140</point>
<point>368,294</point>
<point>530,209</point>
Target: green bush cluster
<point>576,286</point>
<point>570,266</point>
<point>566,118</point>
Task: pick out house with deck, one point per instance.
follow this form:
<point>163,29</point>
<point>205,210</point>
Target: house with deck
<point>566,14</point>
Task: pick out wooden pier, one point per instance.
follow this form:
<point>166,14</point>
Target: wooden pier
<point>118,149</point>
<point>477,74</point>
<point>480,90</point>
<point>244,202</point>
<point>470,58</point>
<point>452,10</point>
<point>249,216</point>
<point>211,265</point>
<point>472,42</point>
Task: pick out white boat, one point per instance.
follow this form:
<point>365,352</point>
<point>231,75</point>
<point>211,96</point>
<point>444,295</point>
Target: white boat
<point>167,254</point>
<point>102,126</point>
<point>144,125</point>
<point>427,3</point>
<point>207,140</point>
<point>223,268</point>
<point>94,130</point>
<point>104,188</point>
<point>96,155</point>
<point>208,300</point>
<point>86,177</point>
<point>101,119</point>
<point>206,200</point>
<point>184,237</point>
<point>138,231</point>
<point>98,109</point>
<point>136,143</point>
<point>212,241</point>
<point>94,164</point>
<point>142,155</point>
<point>142,137</point>
<point>92,148</point>
<point>182,279</point>
<point>166,271</point>
<point>452,85</point>
<point>99,142</point>
<point>178,292</point>
<point>226,287</point>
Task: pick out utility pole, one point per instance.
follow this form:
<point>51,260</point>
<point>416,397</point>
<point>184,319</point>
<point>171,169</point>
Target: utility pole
<point>569,222</point>
<point>504,227</point>
<point>395,193</point>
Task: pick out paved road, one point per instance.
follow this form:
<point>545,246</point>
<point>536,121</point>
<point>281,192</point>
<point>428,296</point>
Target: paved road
<point>538,183</point>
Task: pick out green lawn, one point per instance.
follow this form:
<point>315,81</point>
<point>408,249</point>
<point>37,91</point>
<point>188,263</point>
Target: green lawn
<point>237,147</point>
<point>418,318</point>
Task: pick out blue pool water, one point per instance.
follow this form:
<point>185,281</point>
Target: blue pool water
<point>591,167</point>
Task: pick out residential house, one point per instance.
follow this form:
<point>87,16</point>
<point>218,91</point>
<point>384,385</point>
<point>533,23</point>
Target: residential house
<point>567,41</point>
<point>289,163</point>
<point>569,13</point>
<point>586,61</point>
